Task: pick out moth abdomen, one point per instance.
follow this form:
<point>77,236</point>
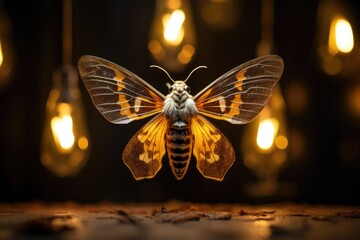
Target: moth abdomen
<point>181,150</point>
<point>180,163</point>
<point>179,146</point>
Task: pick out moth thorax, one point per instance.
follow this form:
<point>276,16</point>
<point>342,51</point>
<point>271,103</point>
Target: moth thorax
<point>179,106</point>
<point>179,143</point>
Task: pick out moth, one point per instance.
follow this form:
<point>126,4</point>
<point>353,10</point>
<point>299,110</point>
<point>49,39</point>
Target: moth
<point>179,126</point>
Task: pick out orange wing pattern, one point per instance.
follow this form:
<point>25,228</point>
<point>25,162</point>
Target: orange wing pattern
<point>117,93</point>
<point>213,151</point>
<point>240,94</point>
<point>146,148</point>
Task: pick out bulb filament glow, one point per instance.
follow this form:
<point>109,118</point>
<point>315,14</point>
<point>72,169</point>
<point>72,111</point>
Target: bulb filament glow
<point>341,36</point>
<point>62,129</point>
<point>173,30</point>
<point>1,55</point>
<point>266,133</point>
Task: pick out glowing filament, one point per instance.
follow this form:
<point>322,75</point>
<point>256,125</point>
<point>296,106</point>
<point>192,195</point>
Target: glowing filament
<point>266,133</point>
<point>341,36</point>
<point>173,27</point>
<point>1,55</point>
<point>62,129</point>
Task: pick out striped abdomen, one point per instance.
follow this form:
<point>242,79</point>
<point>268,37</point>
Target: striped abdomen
<point>179,146</point>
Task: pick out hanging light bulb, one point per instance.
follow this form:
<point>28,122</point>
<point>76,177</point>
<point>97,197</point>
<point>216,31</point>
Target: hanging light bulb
<point>65,141</point>
<point>6,49</point>
<point>265,140</point>
<point>172,38</point>
<point>335,39</point>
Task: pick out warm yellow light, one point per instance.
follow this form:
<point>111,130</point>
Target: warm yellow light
<point>62,129</point>
<point>1,55</point>
<point>83,143</point>
<point>281,142</point>
<point>186,54</point>
<point>65,141</point>
<point>341,36</point>
<point>174,4</point>
<point>172,40</point>
<point>266,133</point>
<point>157,50</point>
<point>344,36</point>
<point>173,27</point>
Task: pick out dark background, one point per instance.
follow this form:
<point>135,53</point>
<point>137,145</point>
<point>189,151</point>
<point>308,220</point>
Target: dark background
<point>326,170</point>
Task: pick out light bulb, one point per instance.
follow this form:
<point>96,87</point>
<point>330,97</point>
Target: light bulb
<point>335,38</point>
<point>172,40</point>
<point>265,141</point>
<point>6,49</point>
<point>65,140</point>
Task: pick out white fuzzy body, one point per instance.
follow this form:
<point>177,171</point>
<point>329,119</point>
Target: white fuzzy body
<point>179,107</point>
<point>179,104</point>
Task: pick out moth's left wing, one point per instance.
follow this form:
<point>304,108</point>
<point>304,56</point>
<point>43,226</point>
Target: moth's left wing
<point>240,94</point>
<point>212,150</point>
<point>144,151</point>
<point>118,94</point>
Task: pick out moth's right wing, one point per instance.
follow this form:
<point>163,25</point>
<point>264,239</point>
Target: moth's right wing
<point>119,95</point>
<point>145,150</point>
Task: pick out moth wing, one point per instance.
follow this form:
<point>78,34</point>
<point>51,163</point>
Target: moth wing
<point>212,150</point>
<point>145,150</point>
<point>240,94</point>
<point>118,94</point>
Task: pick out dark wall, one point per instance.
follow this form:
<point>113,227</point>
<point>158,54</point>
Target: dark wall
<point>118,31</point>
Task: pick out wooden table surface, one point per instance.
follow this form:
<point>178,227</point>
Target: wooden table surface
<point>177,220</point>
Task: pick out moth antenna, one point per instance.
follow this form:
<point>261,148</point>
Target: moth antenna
<point>156,66</point>
<point>194,71</point>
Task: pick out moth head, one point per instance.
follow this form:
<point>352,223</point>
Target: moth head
<point>178,85</point>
